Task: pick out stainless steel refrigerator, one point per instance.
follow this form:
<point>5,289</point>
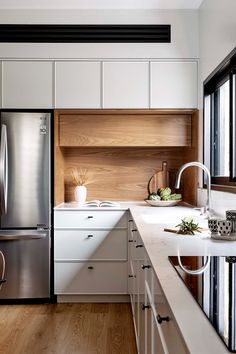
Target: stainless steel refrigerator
<point>25,205</point>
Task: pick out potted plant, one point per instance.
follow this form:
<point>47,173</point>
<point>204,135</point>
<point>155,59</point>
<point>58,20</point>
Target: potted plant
<point>80,178</point>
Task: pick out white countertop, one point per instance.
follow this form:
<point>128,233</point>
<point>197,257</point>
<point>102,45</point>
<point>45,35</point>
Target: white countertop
<point>198,333</point>
<point>76,206</point>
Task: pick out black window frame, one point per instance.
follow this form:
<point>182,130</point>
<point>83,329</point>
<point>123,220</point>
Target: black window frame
<point>225,71</point>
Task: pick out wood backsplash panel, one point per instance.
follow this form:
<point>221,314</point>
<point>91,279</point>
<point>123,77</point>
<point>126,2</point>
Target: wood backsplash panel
<point>59,186</point>
<point>122,173</point>
<point>119,174</point>
<point>122,130</point>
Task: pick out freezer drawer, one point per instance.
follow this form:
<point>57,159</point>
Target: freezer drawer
<point>27,264</point>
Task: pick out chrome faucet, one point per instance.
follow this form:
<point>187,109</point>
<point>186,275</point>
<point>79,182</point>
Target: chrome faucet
<point>207,208</point>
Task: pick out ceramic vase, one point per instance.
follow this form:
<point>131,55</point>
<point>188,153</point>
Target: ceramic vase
<point>80,194</point>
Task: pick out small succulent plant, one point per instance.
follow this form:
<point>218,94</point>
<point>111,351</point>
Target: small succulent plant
<point>188,227</point>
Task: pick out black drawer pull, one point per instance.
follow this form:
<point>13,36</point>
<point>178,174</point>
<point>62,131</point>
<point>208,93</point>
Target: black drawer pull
<point>144,307</point>
<point>139,246</point>
<point>134,230</point>
<point>161,319</point>
<point>90,267</point>
<point>131,241</point>
<point>145,266</point>
<point>90,236</point>
<point>3,281</point>
<point>132,276</point>
<point>90,217</point>
<point>130,220</point>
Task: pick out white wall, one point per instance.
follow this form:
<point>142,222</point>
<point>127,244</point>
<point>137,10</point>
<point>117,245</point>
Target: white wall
<point>217,29</point>
<point>217,38</point>
<point>184,29</point>
<point>220,201</point>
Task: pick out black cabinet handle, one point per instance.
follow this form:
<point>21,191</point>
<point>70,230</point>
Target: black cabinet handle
<point>90,217</point>
<point>130,220</point>
<point>90,267</point>
<point>90,236</point>
<point>144,307</point>
<point>132,276</point>
<point>139,246</point>
<point>160,319</point>
<point>145,266</point>
<point>3,281</point>
<point>134,230</point>
<point>131,241</point>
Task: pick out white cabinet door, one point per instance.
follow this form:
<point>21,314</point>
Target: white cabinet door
<point>91,278</point>
<point>68,219</point>
<point>174,85</point>
<point>167,327</point>
<point>125,85</point>
<point>90,244</point>
<point>78,85</point>
<point>27,84</point>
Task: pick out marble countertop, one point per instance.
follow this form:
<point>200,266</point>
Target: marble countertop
<point>75,206</point>
<point>197,332</point>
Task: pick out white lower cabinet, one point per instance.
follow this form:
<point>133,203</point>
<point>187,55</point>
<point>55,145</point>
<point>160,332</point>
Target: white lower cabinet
<point>155,327</point>
<point>91,245</point>
<point>91,278</point>
<point>170,338</point>
<point>90,252</point>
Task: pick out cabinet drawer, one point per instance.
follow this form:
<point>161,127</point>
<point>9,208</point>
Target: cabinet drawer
<point>90,219</point>
<point>171,334</point>
<point>91,278</point>
<point>90,244</point>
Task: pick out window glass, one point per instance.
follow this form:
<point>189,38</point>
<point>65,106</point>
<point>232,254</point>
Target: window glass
<point>220,151</point>
<point>220,124</point>
<point>234,128</point>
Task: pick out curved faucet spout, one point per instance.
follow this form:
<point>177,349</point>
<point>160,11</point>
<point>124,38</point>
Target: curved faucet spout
<point>205,169</point>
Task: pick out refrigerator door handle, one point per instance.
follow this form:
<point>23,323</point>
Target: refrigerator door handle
<point>3,170</point>
<point>12,236</point>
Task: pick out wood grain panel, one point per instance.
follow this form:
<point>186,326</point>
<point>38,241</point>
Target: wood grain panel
<point>59,189</point>
<point>67,328</point>
<point>124,131</point>
<point>119,174</point>
<point>190,176</point>
<point>122,173</point>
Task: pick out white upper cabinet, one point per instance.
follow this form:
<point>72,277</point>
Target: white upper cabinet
<point>125,84</point>
<point>174,85</point>
<point>27,84</point>
<point>78,84</point>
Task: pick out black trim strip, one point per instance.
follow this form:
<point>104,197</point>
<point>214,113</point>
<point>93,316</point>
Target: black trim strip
<point>85,33</point>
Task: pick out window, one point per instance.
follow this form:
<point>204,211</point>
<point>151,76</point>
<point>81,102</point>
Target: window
<point>220,124</point>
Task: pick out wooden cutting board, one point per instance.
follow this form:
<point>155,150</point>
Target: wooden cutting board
<point>160,179</point>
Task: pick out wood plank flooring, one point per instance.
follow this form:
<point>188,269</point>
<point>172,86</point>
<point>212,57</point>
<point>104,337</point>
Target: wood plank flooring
<point>67,329</point>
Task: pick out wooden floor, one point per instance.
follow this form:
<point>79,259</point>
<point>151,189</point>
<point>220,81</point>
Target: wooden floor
<point>67,329</point>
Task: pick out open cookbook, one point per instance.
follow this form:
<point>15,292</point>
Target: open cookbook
<point>101,203</point>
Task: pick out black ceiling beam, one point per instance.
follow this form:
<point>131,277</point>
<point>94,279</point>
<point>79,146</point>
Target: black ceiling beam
<point>19,33</point>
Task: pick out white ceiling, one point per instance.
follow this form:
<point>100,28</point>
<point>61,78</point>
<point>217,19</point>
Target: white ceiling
<point>100,4</point>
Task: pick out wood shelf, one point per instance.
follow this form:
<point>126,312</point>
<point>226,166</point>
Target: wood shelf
<point>124,128</point>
